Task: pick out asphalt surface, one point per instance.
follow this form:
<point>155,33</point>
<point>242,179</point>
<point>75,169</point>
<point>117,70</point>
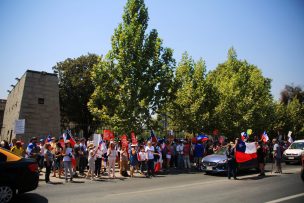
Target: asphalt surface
<point>177,187</point>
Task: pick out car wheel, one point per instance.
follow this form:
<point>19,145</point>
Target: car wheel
<point>287,163</point>
<point>6,193</point>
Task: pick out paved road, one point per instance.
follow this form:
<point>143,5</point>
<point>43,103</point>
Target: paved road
<point>177,188</point>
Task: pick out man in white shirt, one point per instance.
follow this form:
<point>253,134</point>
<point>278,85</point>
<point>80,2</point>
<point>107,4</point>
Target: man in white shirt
<point>277,155</point>
<point>180,153</point>
<point>149,149</point>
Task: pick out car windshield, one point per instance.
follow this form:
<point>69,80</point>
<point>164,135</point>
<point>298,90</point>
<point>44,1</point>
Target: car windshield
<point>297,145</point>
<point>221,151</point>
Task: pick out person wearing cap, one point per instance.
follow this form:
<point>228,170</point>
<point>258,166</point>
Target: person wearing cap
<point>91,161</point>
<point>49,158</point>
<point>17,149</point>
<point>133,159</point>
<point>67,160</point>
<point>112,154</point>
<point>40,155</point>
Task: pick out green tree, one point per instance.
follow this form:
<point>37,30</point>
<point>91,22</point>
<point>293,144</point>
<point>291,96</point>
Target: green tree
<point>75,89</point>
<point>245,100</point>
<point>194,99</point>
<point>289,117</point>
<point>133,80</point>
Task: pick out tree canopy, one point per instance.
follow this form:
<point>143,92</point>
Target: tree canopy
<point>194,100</point>
<point>245,101</point>
<point>75,89</point>
<point>133,79</point>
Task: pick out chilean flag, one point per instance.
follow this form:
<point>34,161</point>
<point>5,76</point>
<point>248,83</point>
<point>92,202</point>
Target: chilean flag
<point>245,151</point>
<point>48,139</point>
<point>203,138</point>
<point>265,137</point>
<point>68,136</point>
<point>153,137</point>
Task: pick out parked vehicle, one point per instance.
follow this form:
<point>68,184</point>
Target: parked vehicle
<point>217,163</point>
<point>17,175</point>
<point>294,152</point>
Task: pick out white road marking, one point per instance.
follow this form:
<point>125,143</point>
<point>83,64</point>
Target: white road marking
<point>286,198</point>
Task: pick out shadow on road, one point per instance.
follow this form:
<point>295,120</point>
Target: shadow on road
<point>258,177</point>
<point>30,197</point>
<point>76,181</point>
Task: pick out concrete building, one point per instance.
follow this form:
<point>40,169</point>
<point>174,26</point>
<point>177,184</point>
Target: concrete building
<point>2,108</point>
<point>35,98</point>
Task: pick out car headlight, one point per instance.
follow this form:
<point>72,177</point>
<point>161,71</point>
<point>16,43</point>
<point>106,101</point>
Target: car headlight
<point>223,161</point>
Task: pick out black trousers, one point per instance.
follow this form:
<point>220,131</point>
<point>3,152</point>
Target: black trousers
<point>151,167</point>
<point>47,171</point>
<point>82,164</point>
<point>231,169</point>
<point>97,166</point>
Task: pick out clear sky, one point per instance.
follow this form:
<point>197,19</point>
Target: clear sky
<point>37,34</point>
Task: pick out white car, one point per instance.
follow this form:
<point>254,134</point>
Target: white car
<point>294,152</point>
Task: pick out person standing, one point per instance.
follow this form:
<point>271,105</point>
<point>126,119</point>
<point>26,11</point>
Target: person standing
<point>230,153</point>
<point>67,161</point>
<point>48,160</point>
<point>133,160</point>
<point>58,160</point>
<point>180,154</point>
<point>112,154</point>
<point>198,153</point>
<point>32,149</point>
<point>124,161</point>
<point>186,150</point>
<point>142,160</point>
<point>91,161</point>
<point>17,149</point>
<point>82,156</point>
<point>261,158</point>
<point>277,155</point>
<point>98,161</point>
<point>150,157</point>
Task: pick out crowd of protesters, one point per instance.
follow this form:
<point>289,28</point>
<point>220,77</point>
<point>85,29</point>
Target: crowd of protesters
<point>146,158</point>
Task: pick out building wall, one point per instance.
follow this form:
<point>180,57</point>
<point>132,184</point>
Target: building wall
<point>35,98</point>
<point>2,108</point>
<point>12,110</point>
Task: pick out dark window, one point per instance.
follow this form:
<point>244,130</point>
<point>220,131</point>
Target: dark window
<point>40,100</point>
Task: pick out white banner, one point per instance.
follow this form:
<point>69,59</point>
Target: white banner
<point>96,139</point>
<point>20,126</point>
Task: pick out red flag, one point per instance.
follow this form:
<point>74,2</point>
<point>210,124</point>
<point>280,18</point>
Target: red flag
<point>124,140</point>
<point>106,135</point>
<point>133,138</point>
<point>112,137</point>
